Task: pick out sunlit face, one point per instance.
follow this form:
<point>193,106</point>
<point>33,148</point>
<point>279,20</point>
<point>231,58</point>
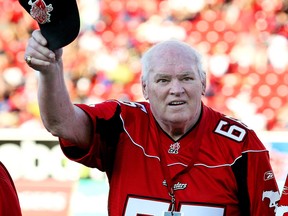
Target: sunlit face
<point>174,89</point>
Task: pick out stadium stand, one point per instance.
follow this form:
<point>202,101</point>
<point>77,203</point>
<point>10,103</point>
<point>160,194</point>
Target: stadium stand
<point>244,46</point>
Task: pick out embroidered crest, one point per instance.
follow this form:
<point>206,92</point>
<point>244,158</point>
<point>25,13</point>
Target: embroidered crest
<point>174,148</point>
<point>40,11</point>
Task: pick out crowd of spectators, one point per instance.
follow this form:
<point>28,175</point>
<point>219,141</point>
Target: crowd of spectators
<point>243,42</point>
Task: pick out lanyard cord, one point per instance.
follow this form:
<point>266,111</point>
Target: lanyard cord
<point>171,181</point>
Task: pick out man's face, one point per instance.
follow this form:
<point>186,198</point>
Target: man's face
<point>174,89</point>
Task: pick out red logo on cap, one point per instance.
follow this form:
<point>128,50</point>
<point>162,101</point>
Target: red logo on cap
<point>40,11</point>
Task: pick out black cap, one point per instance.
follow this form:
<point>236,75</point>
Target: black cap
<point>58,20</point>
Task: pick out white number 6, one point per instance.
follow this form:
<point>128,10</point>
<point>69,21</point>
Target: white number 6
<point>234,132</point>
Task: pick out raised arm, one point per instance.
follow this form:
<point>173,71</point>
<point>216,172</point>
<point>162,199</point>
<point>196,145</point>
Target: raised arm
<point>60,117</point>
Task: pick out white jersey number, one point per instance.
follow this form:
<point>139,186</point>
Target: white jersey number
<point>233,132</point>
<point>137,206</point>
<point>134,104</point>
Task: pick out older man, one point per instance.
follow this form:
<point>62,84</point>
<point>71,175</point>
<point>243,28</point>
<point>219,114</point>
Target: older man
<point>172,155</point>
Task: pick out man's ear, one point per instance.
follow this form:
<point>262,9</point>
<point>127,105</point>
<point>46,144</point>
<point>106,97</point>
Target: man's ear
<point>203,88</point>
<point>203,81</point>
<point>144,89</point>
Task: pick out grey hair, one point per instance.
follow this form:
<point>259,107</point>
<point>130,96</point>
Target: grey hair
<point>147,57</point>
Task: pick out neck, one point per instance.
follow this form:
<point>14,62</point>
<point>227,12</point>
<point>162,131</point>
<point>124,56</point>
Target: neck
<point>176,130</point>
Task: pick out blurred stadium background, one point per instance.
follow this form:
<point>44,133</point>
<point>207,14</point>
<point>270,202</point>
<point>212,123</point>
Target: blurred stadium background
<point>245,53</point>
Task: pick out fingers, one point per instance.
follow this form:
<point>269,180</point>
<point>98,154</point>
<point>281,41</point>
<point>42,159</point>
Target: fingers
<point>37,48</point>
<point>37,36</point>
<point>37,54</point>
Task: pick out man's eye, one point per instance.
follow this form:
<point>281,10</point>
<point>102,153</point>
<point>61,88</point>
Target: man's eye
<point>187,78</point>
<point>162,80</point>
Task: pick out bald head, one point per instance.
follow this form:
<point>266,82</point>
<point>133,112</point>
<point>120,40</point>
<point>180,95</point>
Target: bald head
<point>172,52</point>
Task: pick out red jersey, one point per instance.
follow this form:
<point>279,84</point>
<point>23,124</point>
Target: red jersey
<point>9,203</point>
<point>219,167</point>
<point>282,209</point>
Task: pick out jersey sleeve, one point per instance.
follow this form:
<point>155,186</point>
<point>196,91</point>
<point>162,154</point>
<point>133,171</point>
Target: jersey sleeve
<point>106,129</point>
<point>258,192</point>
<point>9,203</point>
<point>262,187</point>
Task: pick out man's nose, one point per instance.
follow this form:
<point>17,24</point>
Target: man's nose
<point>176,88</point>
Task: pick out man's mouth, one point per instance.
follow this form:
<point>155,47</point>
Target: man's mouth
<point>176,103</point>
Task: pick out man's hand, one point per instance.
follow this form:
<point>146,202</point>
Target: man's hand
<point>40,58</point>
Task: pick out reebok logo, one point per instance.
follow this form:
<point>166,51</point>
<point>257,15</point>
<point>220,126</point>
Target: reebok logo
<point>268,175</point>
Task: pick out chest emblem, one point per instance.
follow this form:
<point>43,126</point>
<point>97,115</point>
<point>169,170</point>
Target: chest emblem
<point>40,11</point>
<point>174,148</point>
